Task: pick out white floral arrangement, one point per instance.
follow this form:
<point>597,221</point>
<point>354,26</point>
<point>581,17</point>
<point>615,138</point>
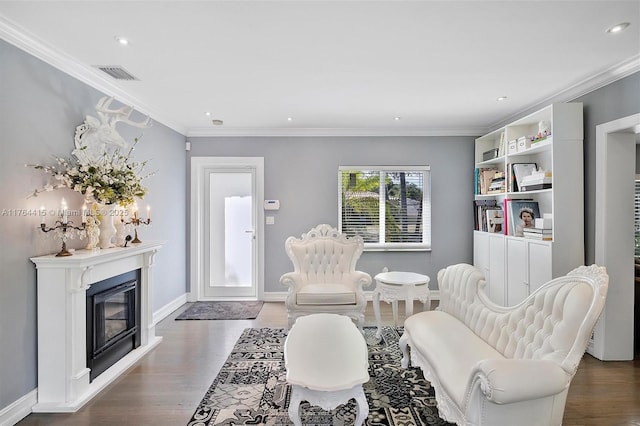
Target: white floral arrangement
<point>109,179</point>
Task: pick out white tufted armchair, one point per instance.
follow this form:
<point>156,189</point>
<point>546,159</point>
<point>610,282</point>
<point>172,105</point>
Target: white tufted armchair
<point>324,277</point>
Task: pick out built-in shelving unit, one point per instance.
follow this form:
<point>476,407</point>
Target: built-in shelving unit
<point>552,138</point>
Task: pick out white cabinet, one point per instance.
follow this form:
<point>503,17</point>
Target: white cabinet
<point>496,284</point>
<point>540,260</point>
<point>517,270</point>
<point>488,256</point>
<point>529,265</point>
<point>520,265</point>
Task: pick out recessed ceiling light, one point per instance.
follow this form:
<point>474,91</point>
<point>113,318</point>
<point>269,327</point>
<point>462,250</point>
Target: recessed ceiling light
<point>208,114</point>
<point>397,118</point>
<point>122,40</point>
<point>617,28</point>
<point>501,98</point>
<point>217,122</point>
<point>289,118</point>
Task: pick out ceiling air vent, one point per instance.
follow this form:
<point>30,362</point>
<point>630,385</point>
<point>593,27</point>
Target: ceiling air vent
<point>116,72</point>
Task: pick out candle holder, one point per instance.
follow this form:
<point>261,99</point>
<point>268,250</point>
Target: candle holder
<point>136,221</point>
<point>63,228</point>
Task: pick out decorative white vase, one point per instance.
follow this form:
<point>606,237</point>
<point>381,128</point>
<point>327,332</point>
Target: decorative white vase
<point>107,228</point>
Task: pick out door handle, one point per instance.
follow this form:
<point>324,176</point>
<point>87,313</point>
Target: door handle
<point>250,231</point>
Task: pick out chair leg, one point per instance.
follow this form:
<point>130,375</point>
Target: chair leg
<point>404,348</point>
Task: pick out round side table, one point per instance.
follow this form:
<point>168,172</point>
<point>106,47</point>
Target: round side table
<point>396,285</point>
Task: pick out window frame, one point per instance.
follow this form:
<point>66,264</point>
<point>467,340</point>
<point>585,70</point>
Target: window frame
<point>425,245</point>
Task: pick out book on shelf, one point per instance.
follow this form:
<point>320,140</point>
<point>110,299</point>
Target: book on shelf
<point>522,214</point>
<point>495,220</point>
<point>484,179</point>
<point>536,236</point>
<point>546,231</point>
<point>497,183</point>
<point>520,170</point>
<point>480,217</point>
<point>506,205</point>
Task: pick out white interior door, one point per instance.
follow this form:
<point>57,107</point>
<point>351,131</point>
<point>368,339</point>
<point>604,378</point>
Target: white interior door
<point>230,231</point>
<point>226,232</point>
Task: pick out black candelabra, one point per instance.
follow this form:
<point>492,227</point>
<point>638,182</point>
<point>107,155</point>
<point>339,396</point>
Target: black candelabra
<point>136,221</point>
<point>63,227</point>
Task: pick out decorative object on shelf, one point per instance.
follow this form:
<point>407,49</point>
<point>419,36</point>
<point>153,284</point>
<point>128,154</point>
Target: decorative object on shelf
<point>107,227</point>
<point>120,232</point>
<point>544,130</point>
<point>64,228</point>
<point>93,232</point>
<point>136,221</point>
<point>101,167</point>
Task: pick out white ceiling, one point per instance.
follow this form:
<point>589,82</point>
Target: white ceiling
<point>334,67</point>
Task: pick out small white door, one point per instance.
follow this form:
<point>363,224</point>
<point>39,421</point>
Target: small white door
<point>226,232</point>
<point>230,231</point>
<point>517,270</point>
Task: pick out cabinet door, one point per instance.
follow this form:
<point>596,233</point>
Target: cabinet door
<point>539,264</point>
<point>481,252</point>
<point>496,269</point>
<point>517,271</point>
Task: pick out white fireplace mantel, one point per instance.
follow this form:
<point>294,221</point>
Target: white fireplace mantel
<point>63,376</point>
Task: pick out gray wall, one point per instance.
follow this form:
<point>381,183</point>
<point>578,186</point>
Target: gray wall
<point>616,100</point>
<point>40,108</point>
<point>302,172</point>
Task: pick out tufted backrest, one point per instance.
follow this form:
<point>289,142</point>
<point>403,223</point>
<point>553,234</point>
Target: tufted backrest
<point>554,322</point>
<point>324,255</point>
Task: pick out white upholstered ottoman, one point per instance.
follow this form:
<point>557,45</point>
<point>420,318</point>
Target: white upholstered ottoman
<point>327,362</point>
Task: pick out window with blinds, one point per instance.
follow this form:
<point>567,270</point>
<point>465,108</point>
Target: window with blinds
<point>389,207</point>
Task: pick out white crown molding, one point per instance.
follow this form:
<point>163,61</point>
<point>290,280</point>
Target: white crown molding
<point>581,88</point>
<point>286,132</point>
<point>22,39</point>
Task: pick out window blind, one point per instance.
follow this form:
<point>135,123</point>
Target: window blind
<point>390,208</point>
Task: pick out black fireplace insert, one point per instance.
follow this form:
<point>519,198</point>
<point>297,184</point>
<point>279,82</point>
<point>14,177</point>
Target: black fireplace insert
<point>113,320</point>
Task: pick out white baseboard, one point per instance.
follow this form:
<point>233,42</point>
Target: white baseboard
<point>18,410</point>
<point>167,309</point>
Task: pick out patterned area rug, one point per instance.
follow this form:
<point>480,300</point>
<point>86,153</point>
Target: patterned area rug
<point>251,387</point>
<point>221,311</point>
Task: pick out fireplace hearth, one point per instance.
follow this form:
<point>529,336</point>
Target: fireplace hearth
<point>113,320</point>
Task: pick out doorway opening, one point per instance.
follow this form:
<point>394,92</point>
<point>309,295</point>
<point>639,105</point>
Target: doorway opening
<point>614,238</point>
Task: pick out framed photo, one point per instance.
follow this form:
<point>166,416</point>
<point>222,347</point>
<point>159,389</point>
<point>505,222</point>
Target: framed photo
<point>522,214</point>
<point>494,220</point>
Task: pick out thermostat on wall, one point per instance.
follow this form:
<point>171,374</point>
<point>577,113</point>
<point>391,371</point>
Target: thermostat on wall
<point>271,204</point>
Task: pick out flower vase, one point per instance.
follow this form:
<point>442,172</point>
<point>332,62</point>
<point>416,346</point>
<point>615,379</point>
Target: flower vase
<point>107,228</point>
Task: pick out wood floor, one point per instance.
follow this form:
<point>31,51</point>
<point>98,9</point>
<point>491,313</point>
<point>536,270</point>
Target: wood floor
<point>165,387</point>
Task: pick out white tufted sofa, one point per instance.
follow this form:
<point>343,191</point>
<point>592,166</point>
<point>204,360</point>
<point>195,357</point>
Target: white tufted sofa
<point>324,277</point>
<point>504,366</point>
